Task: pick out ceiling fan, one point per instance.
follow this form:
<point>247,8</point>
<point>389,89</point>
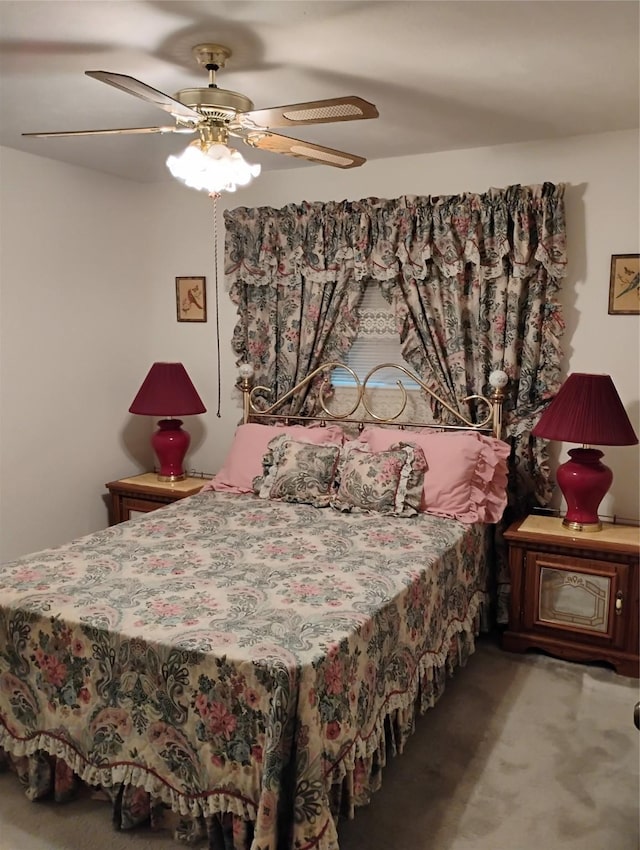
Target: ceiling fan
<point>216,114</point>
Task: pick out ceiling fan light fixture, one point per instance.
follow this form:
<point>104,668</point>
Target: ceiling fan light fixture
<point>212,167</point>
<point>216,114</point>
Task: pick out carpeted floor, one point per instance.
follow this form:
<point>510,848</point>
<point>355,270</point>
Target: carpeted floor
<point>523,752</point>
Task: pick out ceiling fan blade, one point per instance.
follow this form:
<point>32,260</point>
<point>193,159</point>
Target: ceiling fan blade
<point>349,108</point>
<point>119,131</point>
<point>276,143</point>
<point>132,86</point>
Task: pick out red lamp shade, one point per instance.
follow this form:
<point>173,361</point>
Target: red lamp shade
<point>587,410</point>
<point>167,391</point>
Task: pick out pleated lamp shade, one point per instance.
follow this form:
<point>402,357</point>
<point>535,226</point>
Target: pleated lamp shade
<point>167,391</point>
<point>587,410</point>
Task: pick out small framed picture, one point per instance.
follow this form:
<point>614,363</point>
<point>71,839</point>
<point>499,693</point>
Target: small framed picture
<point>191,299</point>
<point>624,285</point>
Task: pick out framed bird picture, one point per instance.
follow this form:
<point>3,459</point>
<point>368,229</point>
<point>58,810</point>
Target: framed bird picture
<point>191,299</point>
<point>624,285</point>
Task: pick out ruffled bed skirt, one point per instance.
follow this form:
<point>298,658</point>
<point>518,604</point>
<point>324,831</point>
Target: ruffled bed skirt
<point>351,785</point>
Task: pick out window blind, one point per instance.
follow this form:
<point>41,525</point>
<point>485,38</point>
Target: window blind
<point>377,342</point>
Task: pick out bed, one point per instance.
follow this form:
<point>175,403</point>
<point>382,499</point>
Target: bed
<point>238,665</point>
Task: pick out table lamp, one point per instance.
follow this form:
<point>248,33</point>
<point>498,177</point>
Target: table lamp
<point>587,410</point>
<point>167,391</point>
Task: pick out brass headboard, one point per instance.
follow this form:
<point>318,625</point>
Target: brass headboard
<point>254,410</point>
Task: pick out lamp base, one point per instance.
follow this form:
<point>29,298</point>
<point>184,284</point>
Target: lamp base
<point>584,482</point>
<point>582,526</point>
<point>170,443</point>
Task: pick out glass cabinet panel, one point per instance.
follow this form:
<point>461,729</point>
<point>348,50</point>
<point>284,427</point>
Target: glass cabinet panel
<point>574,599</point>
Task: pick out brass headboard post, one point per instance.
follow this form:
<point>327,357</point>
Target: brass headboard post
<point>498,380</point>
<point>251,411</point>
<point>497,397</point>
<point>246,373</point>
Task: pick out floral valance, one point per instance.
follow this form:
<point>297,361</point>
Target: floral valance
<point>373,238</point>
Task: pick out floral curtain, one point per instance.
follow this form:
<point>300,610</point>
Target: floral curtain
<point>479,291</point>
<point>296,300</point>
<point>474,280</point>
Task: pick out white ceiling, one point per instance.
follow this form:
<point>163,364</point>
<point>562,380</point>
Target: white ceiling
<point>444,75</point>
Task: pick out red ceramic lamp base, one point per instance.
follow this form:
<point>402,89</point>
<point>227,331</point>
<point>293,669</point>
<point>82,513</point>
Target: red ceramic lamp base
<point>170,443</point>
<point>584,482</point>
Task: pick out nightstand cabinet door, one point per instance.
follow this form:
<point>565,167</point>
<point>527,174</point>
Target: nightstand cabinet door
<point>576,598</point>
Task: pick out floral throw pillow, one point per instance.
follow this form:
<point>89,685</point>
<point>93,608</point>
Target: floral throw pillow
<point>387,482</point>
<point>294,471</point>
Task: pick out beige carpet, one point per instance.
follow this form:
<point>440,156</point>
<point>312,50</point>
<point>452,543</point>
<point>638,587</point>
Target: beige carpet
<point>521,753</point>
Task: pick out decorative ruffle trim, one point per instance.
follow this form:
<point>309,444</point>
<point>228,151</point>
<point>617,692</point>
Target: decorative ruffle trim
<point>403,485</point>
<point>489,484</point>
<point>350,783</point>
<point>353,781</point>
<point>213,803</point>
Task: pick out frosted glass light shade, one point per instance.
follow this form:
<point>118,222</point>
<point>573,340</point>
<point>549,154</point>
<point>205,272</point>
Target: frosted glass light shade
<point>212,167</point>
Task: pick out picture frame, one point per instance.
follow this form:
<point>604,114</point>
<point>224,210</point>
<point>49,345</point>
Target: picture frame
<point>624,285</point>
<point>191,299</point>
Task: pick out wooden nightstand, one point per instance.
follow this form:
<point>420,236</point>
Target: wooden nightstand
<point>143,493</point>
<point>574,594</point>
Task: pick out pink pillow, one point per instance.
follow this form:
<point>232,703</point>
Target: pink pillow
<point>244,461</point>
<point>466,475</point>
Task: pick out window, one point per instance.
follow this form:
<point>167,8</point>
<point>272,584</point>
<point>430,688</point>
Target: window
<point>377,342</point>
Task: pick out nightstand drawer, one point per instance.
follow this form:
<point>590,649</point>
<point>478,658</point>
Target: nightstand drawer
<point>143,493</point>
<point>130,507</point>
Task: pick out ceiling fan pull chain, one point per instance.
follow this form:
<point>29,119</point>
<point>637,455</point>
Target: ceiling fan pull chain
<point>214,197</point>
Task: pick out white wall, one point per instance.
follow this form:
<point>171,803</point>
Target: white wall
<point>87,270</point>
<point>73,334</point>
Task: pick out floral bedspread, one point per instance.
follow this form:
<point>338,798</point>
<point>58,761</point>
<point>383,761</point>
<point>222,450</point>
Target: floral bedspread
<point>237,658</point>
